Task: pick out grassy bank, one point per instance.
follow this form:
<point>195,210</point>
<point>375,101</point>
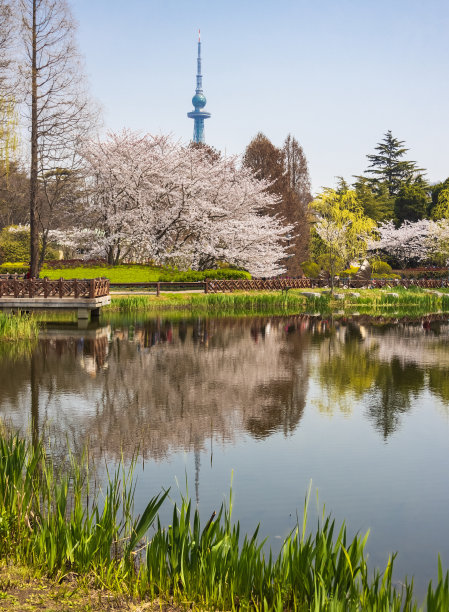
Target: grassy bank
<point>51,521</point>
<point>375,301</point>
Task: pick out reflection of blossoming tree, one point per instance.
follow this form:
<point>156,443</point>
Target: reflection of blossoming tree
<point>171,388</point>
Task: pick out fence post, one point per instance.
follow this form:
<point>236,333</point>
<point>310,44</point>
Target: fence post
<point>45,287</point>
<point>16,288</point>
<point>158,289</point>
<point>206,286</point>
<point>61,288</point>
<point>92,288</point>
<point>30,287</point>
<point>75,287</point>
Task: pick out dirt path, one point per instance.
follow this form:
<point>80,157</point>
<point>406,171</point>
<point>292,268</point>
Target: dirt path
<point>22,590</point>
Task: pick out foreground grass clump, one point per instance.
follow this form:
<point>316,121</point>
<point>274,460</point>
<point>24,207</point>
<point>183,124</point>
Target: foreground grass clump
<point>18,327</point>
<point>51,521</point>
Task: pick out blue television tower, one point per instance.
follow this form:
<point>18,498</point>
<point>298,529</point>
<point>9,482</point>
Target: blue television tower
<point>199,102</point>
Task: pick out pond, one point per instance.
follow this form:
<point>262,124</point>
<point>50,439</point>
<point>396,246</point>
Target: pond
<point>357,407</point>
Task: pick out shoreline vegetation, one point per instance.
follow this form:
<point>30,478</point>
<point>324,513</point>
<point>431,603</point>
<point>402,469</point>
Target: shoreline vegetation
<point>19,328</point>
<point>52,523</point>
<point>390,303</point>
<point>414,300</point>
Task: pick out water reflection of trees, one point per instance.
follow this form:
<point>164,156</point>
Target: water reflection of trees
<point>388,366</point>
<point>164,386</point>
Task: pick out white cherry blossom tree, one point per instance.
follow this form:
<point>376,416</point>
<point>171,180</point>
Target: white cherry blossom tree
<point>410,242</point>
<point>151,198</point>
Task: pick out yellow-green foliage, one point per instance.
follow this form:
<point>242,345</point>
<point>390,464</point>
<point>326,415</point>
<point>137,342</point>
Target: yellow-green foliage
<point>381,267</point>
<point>351,271</point>
<point>14,244</point>
<point>16,267</point>
<point>343,227</point>
<point>441,210</point>
<point>310,269</point>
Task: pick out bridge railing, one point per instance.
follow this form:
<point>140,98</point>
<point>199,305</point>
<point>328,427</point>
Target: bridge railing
<point>61,288</point>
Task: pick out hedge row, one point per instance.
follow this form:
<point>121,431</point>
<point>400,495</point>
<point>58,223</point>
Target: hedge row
<point>195,275</point>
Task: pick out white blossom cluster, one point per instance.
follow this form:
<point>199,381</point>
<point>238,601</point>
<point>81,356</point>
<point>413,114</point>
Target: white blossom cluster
<point>411,241</point>
<point>149,198</point>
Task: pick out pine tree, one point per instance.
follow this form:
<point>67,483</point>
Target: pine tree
<point>388,167</point>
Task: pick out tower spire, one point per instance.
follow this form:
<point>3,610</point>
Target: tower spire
<point>198,101</point>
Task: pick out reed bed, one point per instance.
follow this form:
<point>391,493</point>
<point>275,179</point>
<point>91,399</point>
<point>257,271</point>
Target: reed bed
<point>18,327</point>
<point>133,303</point>
<point>294,302</point>
<point>274,302</point>
<point>50,519</point>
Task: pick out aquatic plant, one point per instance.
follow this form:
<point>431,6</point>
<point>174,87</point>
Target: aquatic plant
<point>267,302</point>
<point>51,519</point>
<point>18,327</point>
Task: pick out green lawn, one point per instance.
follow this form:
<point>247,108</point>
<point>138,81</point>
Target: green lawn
<point>116,274</point>
<point>141,274</point>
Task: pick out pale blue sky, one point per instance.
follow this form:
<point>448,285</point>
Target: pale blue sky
<point>337,74</point>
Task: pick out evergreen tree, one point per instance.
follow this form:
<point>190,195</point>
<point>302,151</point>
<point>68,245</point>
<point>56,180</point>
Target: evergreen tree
<point>376,202</point>
<point>411,202</point>
<point>388,167</point>
<point>435,192</point>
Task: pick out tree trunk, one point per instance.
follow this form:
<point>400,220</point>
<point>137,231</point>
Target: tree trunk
<point>34,230</point>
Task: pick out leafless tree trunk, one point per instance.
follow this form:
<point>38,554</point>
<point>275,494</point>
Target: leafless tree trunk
<point>59,110</point>
<point>34,231</point>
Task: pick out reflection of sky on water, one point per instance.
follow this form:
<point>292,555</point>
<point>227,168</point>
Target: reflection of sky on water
<point>360,410</point>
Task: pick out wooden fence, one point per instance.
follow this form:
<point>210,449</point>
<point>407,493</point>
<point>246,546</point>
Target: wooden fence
<point>62,288</point>
<point>98,287</point>
<point>279,284</point>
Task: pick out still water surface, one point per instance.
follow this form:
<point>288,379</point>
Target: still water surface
<point>358,408</point>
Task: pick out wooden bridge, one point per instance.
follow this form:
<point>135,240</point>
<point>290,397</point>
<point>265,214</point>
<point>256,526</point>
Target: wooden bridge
<point>86,296</point>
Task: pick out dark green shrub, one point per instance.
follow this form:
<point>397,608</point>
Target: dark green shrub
<point>385,276</point>
<point>190,276</point>
<point>425,273</point>
<point>310,269</point>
